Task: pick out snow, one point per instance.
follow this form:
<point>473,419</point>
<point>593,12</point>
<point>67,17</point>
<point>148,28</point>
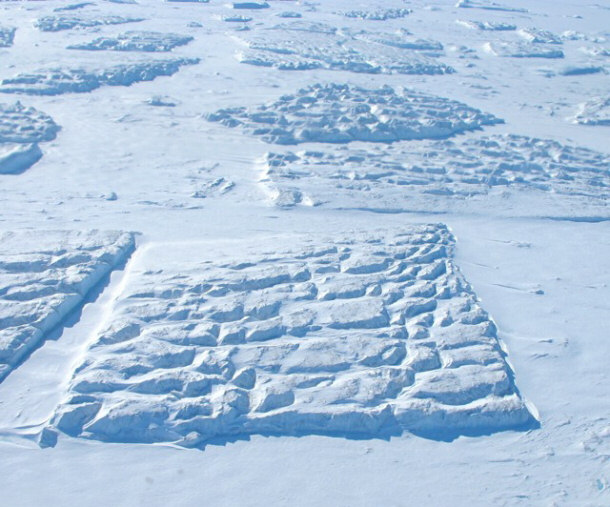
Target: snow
<point>241,355</point>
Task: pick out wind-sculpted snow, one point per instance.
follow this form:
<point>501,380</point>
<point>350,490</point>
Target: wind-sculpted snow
<point>477,175</point>
<point>523,50</point>
<point>58,23</point>
<point>7,35</point>
<point>363,52</point>
<point>21,129</point>
<point>379,14</point>
<point>338,113</point>
<point>59,81</point>
<point>594,112</point>
<point>44,276</point>
<point>356,336</point>
<point>153,42</point>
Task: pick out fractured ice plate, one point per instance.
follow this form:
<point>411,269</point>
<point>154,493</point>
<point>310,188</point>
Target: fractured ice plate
<point>361,336</point>
<point>45,275</point>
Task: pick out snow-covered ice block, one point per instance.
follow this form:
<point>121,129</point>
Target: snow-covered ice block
<point>73,7</point>
<point>58,81</point>
<point>153,42</point>
<point>44,276</point>
<point>594,112</point>
<point>21,129</point>
<point>361,52</point>
<point>523,50</point>
<point>338,113</point>
<point>7,35</point>
<point>58,23</point>
<point>354,336</point>
<point>502,174</point>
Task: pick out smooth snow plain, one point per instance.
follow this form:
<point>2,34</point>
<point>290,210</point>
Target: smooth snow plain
<point>365,256</point>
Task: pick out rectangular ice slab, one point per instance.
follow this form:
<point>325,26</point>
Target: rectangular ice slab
<point>45,275</point>
<point>293,335</point>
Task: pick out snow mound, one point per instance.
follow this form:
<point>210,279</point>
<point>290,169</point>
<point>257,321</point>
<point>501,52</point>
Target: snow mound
<point>594,112</point>
<point>153,42</point>
<point>338,113</point>
<point>44,276</point>
<point>58,23</point>
<point>21,129</point>
<point>523,50</point>
<point>58,81</point>
<point>358,337</point>
<point>363,53</point>
<point>73,7</point>
<point>490,175</point>
<point>379,14</point>
<point>7,35</point>
<point>487,25</point>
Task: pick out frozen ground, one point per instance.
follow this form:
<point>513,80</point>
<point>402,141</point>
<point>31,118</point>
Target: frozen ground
<point>286,331</point>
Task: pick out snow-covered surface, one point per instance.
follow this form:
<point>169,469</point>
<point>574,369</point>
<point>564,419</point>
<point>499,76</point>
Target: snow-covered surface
<point>524,203</point>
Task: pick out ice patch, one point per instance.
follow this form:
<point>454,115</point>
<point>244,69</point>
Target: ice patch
<point>155,42</point>
<point>58,23</point>
<point>594,112</point>
<point>487,5</point>
<point>379,14</point>
<point>487,25</point>
<point>391,339</point>
<point>44,276</point>
<point>337,113</point>
<point>537,36</point>
<point>523,50</point>
<point>485,175</point>
<point>7,35</point>
<point>58,81</point>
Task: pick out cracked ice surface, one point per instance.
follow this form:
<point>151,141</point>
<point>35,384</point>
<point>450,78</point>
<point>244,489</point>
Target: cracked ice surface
<point>338,113</point>
<point>152,42</point>
<point>21,129</point>
<point>59,81</point>
<point>43,277</point>
<point>444,176</point>
<point>352,336</point>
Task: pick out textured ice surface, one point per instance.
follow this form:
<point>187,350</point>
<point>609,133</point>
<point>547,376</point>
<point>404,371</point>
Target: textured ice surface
<point>154,42</point>
<point>58,81</point>
<point>21,129</point>
<point>523,50</point>
<point>58,23</point>
<point>355,336</point>
<point>6,36</point>
<point>442,176</point>
<point>43,277</point>
<point>338,113</point>
<point>594,112</point>
<point>362,52</point>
